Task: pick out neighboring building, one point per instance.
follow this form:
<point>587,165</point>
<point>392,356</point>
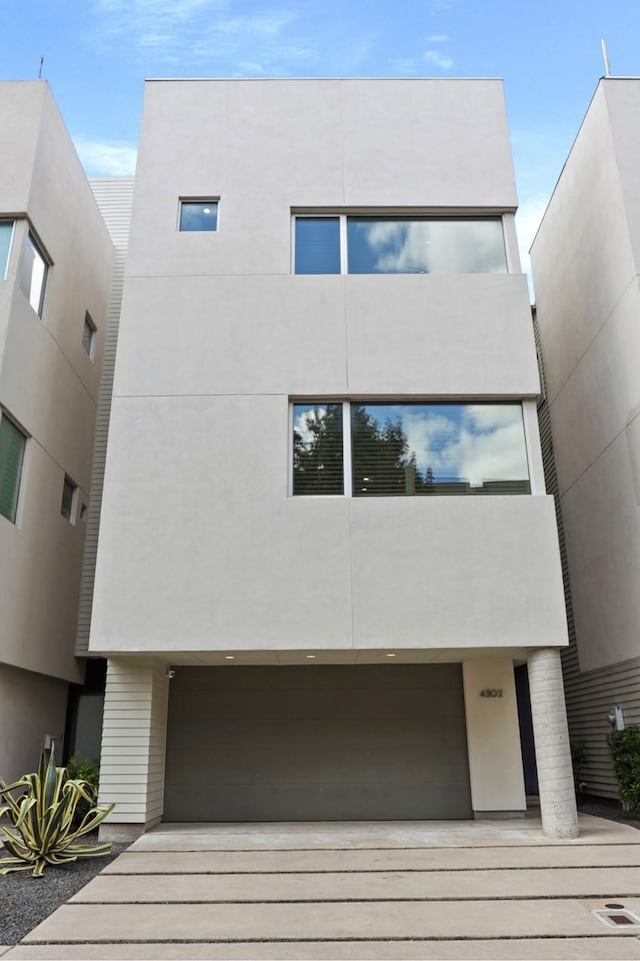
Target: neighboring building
<point>55,265</point>
<point>586,262</point>
<point>324,541</point>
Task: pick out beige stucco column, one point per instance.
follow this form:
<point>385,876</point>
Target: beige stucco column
<point>493,738</point>
<point>553,752</point>
<point>133,745</point>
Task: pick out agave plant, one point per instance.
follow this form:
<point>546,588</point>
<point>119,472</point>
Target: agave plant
<point>42,830</point>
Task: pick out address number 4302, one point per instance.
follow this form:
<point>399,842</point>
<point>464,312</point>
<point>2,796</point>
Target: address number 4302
<point>491,692</point>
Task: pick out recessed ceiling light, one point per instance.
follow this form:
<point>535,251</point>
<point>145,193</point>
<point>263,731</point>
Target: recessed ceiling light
<point>229,657</point>
<point>311,657</point>
<point>390,655</point>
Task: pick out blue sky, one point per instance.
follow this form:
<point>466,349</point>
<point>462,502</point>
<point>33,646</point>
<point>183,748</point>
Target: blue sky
<point>98,52</point>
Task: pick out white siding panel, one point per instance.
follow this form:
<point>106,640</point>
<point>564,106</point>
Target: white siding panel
<point>133,742</point>
<point>114,197</point>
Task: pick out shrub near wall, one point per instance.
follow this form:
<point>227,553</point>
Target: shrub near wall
<point>625,749</point>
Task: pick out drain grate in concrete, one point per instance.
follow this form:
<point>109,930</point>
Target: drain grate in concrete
<point>617,917</point>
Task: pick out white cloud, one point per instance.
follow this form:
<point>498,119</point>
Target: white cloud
<point>438,59</point>
<point>100,159</point>
<point>204,36</point>
<point>438,38</point>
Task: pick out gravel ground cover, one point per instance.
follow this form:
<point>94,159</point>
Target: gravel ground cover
<point>26,901</point>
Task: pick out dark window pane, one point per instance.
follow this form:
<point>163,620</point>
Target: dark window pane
<point>199,215</point>
<point>401,449</point>
<point>404,245</point>
<point>317,245</point>
<point>317,449</point>
<point>67,499</point>
<point>12,442</point>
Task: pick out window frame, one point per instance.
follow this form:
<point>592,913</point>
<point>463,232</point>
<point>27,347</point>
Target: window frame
<point>90,325</point>
<point>343,218</point>
<point>12,222</point>
<point>531,445</point>
<point>47,263</point>
<point>70,516</point>
<point>17,497</point>
<point>212,201</point>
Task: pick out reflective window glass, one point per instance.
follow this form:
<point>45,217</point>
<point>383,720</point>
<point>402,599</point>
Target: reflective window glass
<point>400,449</point>
<point>317,244</point>
<point>33,277</point>
<point>198,215</point>
<point>405,245</point>
<point>317,449</point>
<point>6,233</point>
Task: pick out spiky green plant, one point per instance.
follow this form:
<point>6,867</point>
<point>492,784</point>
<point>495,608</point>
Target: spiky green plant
<point>41,817</point>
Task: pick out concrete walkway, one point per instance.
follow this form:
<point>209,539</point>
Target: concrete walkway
<point>345,891</point>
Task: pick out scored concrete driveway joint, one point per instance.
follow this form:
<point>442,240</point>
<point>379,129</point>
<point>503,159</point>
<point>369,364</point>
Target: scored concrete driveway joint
<point>560,876</point>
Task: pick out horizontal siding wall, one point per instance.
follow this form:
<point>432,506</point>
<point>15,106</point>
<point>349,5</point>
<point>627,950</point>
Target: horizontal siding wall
<point>591,695</point>
<point>133,740</point>
<point>114,198</point>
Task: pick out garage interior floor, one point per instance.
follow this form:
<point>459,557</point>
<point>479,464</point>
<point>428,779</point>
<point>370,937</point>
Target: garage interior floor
<point>394,890</point>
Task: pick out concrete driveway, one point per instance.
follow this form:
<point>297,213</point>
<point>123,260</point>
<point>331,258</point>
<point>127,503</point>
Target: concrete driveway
<point>390,890</point>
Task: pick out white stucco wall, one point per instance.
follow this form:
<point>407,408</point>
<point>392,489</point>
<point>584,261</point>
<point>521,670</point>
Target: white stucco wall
<point>48,383</point>
<point>585,262</point>
<point>201,547</point>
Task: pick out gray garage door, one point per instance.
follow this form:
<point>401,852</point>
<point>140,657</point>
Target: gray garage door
<point>316,743</point>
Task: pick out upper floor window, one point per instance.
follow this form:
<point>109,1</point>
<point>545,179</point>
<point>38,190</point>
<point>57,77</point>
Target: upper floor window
<point>198,215</point>
<point>88,335</point>
<point>6,234</point>
<point>399,245</point>
<point>33,277</point>
<point>12,445</point>
<point>68,499</point>
<point>397,449</point>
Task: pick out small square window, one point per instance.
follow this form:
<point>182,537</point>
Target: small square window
<point>198,215</point>
<point>33,277</point>
<point>68,498</point>
<point>88,335</point>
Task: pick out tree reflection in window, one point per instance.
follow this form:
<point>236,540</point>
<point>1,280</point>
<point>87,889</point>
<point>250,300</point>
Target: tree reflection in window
<point>411,449</point>
<point>318,449</point>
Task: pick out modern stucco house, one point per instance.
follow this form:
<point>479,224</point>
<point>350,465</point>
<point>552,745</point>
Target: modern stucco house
<point>325,541</point>
<point>55,267</point>
<point>586,262</point>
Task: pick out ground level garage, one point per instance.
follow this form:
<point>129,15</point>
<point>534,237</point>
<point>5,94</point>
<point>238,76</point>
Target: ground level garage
<point>380,742</point>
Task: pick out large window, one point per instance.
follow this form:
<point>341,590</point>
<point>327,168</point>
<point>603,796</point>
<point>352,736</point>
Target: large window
<point>12,444</point>
<point>6,233</point>
<point>33,277</point>
<point>399,245</point>
<point>389,449</point>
